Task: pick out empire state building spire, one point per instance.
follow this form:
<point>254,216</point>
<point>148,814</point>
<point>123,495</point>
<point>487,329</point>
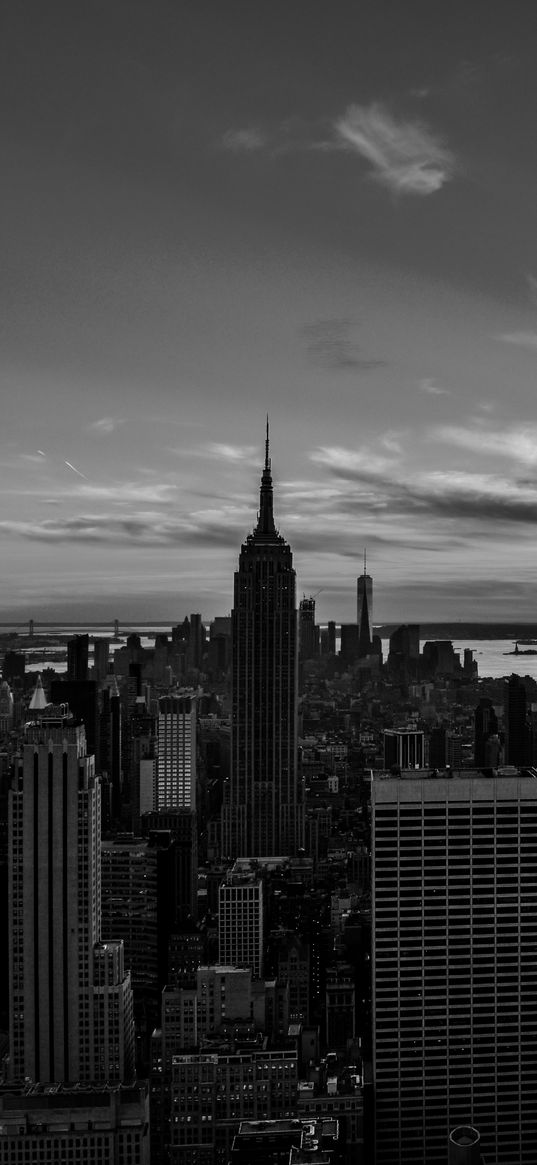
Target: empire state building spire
<point>265,522</point>
<point>263,812</point>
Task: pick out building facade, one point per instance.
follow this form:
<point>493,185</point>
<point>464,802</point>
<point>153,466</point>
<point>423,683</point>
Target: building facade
<point>175,786</point>
<point>454,956</point>
<point>404,748</point>
<point>70,997</point>
<point>240,922</point>
<point>211,1093</point>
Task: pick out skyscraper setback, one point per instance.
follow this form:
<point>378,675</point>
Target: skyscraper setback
<point>262,813</point>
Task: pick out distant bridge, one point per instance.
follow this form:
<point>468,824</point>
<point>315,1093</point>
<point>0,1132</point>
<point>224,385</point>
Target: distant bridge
<point>81,625</point>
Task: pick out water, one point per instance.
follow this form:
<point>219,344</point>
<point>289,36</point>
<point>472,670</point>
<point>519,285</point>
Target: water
<point>38,658</point>
<point>489,654</point>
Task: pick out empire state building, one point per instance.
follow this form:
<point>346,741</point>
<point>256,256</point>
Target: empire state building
<point>263,812</point>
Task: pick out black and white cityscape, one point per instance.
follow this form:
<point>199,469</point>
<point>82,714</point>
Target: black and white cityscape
<point>268,606</point>
<point>270,886</point>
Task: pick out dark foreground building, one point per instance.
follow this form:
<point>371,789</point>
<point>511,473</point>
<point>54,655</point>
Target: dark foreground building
<point>454,955</point>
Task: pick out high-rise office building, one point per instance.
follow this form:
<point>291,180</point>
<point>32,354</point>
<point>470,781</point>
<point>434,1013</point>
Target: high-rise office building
<point>308,632</point>
<point>350,642</point>
<point>6,708</point>
<point>175,786</point>
<point>518,743</point>
<point>454,952</point>
<point>240,922</point>
<point>403,748</point>
<point>263,813</point>
<point>82,696</point>
<point>70,997</point>
<point>101,659</point>
<point>182,825</point>
<point>77,657</point>
<point>110,743</point>
<point>196,642</point>
<point>404,646</point>
<point>364,596</point>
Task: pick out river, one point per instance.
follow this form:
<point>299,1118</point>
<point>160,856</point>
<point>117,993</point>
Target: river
<point>491,655</point>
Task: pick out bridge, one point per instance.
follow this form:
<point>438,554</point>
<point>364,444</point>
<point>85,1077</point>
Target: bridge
<point>81,625</point>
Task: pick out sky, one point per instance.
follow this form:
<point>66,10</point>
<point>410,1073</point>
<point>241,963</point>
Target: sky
<point>320,209</point>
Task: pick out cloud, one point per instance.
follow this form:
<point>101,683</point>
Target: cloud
<point>233,453</point>
<point>392,442</point>
<point>520,339</point>
<point>329,343</point>
<point>245,140</point>
<point>391,490</point>
<point>106,425</point>
<point>143,529</point>
<point>404,156</point>
<point>428,385</point>
<point>518,442</point>
<point>363,463</point>
<point>129,491</point>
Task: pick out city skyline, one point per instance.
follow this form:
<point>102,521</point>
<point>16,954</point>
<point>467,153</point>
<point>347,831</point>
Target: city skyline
<point>325,213</point>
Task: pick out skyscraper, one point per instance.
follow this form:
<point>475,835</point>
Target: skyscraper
<point>364,594</point>
<point>517,725</point>
<point>240,921</point>
<point>77,657</point>
<point>70,997</point>
<point>176,752</point>
<point>454,950</point>
<point>308,629</point>
<point>262,813</point>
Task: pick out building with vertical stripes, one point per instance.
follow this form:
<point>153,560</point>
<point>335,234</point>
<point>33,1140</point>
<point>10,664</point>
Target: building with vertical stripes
<point>455,965</point>
<point>240,922</point>
<point>175,783</point>
<point>70,996</point>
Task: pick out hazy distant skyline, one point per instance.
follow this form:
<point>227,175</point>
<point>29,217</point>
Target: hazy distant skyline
<point>326,210</point>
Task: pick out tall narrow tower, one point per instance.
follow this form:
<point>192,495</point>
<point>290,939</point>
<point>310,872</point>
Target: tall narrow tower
<point>262,813</point>
<point>364,596</point>
<point>70,997</point>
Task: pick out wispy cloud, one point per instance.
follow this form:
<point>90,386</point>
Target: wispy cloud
<point>106,425</point>
<point>428,384</point>
<point>392,489</point>
<point>233,453</point>
<point>129,491</point>
<point>245,140</point>
<point>518,442</point>
<point>330,343</point>
<point>521,339</point>
<point>221,451</point>
<point>135,530</point>
<point>404,155</point>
